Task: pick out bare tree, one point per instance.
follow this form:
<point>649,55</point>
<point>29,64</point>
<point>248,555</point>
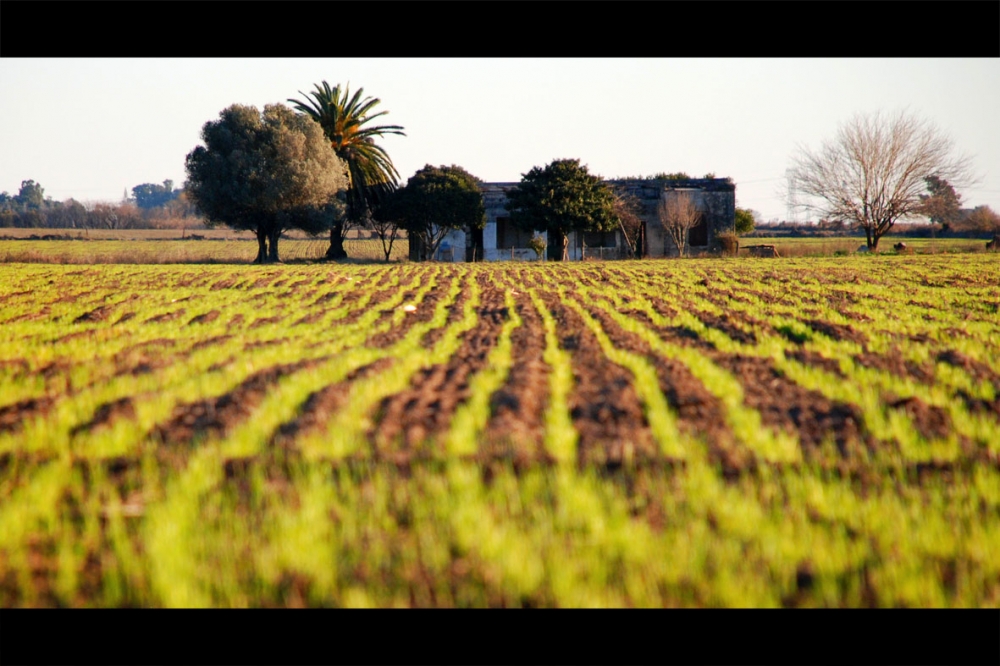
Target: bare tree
<point>873,172</point>
<point>387,230</point>
<point>627,209</point>
<point>982,219</point>
<point>678,214</point>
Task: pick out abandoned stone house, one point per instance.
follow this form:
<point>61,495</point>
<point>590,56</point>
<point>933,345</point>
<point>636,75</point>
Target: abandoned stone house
<point>715,198</point>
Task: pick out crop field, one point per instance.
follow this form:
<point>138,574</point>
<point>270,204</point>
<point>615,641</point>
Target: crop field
<point>818,246</point>
<point>719,432</point>
<point>135,250</point>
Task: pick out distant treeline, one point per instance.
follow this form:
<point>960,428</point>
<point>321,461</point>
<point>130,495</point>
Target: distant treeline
<point>969,228</point>
<point>151,206</point>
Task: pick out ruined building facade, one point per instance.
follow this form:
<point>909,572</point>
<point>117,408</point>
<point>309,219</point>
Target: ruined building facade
<point>499,240</point>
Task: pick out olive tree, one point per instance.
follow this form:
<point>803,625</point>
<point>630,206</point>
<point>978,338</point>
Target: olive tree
<point>266,172</point>
<point>874,170</point>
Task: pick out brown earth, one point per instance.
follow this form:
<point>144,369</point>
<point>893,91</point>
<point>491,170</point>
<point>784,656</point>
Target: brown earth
<point>213,417</point>
<point>96,315</point>
<point>699,413</point>
<point>894,363</point>
<point>13,417</point>
<point>321,405</point>
<point>107,414</point>
<point>516,427</point>
<point>784,405</point>
<point>205,318</point>
<point>168,316</point>
<point>604,406</point>
<point>839,332</point>
<point>407,422</point>
<point>930,420</point>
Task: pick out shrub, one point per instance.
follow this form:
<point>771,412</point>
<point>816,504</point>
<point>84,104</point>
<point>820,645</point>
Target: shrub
<point>730,244</point>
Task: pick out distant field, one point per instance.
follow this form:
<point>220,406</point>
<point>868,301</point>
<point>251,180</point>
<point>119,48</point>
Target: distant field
<point>136,250</point>
<point>718,432</point>
<point>221,233</point>
<point>103,246</point>
<point>825,247</point>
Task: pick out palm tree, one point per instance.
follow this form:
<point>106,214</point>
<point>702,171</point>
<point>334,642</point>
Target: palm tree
<point>343,119</point>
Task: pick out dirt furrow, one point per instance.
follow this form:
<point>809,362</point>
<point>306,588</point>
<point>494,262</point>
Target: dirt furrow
<point>604,405</point>
<point>516,427</point>
<point>410,420</point>
<point>785,405</point>
<point>698,411</point>
<point>321,405</point>
<point>214,417</point>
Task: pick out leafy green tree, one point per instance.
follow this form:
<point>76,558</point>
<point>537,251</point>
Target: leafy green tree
<point>560,198</point>
<point>266,172</point>
<point>744,220</point>
<point>435,201</point>
<point>372,175</point>
<point>942,205</point>
<point>31,195</point>
<point>150,195</point>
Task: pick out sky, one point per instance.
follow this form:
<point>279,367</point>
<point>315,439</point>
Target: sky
<point>92,128</point>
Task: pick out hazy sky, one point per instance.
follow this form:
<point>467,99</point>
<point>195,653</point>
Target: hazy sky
<point>92,128</point>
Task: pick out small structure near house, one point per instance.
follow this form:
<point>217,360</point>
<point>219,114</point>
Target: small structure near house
<point>762,250</point>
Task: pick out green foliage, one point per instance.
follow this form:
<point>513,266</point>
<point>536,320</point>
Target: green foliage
<point>661,175</point>
<point>538,244</point>
<point>744,220</point>
<point>30,196</point>
<point>943,204</point>
<point>372,175</point>
<point>560,198</point>
<point>435,201</point>
<point>151,195</point>
<point>266,172</point>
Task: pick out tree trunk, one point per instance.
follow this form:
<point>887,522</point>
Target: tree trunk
<point>261,247</point>
<point>336,249</point>
<point>273,236</point>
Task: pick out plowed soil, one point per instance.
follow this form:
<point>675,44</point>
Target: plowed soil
<point>698,411</point>
<point>604,406</point>
<point>215,416</point>
<point>784,405</point>
<point>515,429</point>
<point>407,421</point>
<point>321,405</point>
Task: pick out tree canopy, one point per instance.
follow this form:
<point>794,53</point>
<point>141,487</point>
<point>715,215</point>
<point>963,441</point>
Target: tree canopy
<point>435,201</point>
<point>942,205</point>
<point>744,220</point>
<point>151,195</point>
<point>266,172</point>
<point>559,198</point>
<point>874,170</point>
<point>344,119</point>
